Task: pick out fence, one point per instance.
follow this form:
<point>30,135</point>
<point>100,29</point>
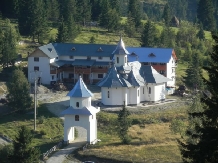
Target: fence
<point>58,146</point>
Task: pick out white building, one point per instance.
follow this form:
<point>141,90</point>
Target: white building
<point>80,113</point>
<point>130,82</point>
<point>65,62</point>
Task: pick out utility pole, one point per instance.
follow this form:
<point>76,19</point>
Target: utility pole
<point>36,77</point>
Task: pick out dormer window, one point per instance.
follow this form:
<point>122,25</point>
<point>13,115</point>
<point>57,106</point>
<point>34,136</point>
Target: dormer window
<point>100,49</point>
<point>50,49</point>
<point>152,55</point>
<point>73,49</point>
<point>133,53</point>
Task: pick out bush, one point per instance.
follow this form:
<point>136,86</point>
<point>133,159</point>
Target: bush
<point>41,119</point>
<point>43,132</point>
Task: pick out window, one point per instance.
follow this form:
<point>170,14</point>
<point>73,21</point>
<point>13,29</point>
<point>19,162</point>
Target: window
<point>76,117</point>
<point>100,57</point>
<point>100,75</point>
<point>138,92</point>
<point>36,59</point>
<point>56,57</point>
<point>88,58</point>
<point>162,63</point>
<point>125,60</point>
<point>172,70</point>
<point>145,63</point>
<point>71,76</point>
<point>77,104</point>
<point>117,59</point>
<point>52,77</point>
<point>153,63</point>
<point>149,90</point>
<point>36,68</point>
<point>71,57</point>
<point>100,67</point>
<point>108,94</point>
<point>143,90</point>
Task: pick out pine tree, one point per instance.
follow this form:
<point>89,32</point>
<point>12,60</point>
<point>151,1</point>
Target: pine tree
<point>205,13</point>
<point>166,15</point>
<point>149,35</point>
<point>103,18</point>
<point>62,35</point>
<point>130,28</point>
<point>83,11</point>
<point>188,144</point>
<point>206,147</point>
<point>201,34</point>
<point>18,91</point>
<point>134,9</point>
<point>23,152</point>
<point>123,125</point>
<point>193,77</point>
<point>8,53</point>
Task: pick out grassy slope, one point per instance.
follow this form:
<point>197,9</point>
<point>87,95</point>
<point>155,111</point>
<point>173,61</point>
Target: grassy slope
<point>152,139</point>
<point>51,128</point>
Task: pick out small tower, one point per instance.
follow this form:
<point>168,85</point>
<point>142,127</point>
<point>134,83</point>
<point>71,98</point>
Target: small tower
<point>80,113</point>
<point>120,54</point>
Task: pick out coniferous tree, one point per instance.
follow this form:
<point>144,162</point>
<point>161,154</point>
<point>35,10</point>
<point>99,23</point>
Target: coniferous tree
<point>23,152</point>
<point>83,11</point>
<point>193,77</point>
<point>6,153</point>
<point>62,35</point>
<point>8,53</point>
<point>206,147</point>
<point>96,9</point>
<point>148,37</point>
<point>167,37</point>
<point>18,91</point>
<point>188,144</point>
<point>39,26</point>
<point>201,34</point>
<point>205,14</point>
<point>123,125</point>
<point>166,15</point>
<point>134,9</point>
<point>103,18</point>
<point>130,28</point>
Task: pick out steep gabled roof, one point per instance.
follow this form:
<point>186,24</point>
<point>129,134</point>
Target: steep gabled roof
<point>120,49</point>
<point>113,79</point>
<point>80,90</point>
<point>49,50</point>
<point>150,75</point>
<point>135,80</point>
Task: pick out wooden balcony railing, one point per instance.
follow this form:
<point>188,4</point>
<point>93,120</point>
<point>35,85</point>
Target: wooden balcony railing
<point>100,70</point>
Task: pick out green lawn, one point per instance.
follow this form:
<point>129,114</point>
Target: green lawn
<point>47,134</point>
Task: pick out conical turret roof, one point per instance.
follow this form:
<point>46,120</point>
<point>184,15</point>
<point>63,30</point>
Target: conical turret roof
<point>120,49</point>
<point>80,90</point>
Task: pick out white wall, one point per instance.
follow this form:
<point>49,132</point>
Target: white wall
<point>159,90</point>
<point>44,69</point>
<point>83,102</point>
<point>116,96</point>
<point>121,60</point>
<point>170,65</point>
<point>86,121</point>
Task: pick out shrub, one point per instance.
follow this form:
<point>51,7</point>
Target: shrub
<point>41,119</point>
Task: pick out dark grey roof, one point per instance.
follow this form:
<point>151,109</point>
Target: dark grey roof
<point>135,79</point>
<point>71,49</point>
<point>150,75</point>
<point>84,111</point>
<point>113,79</point>
<point>120,49</point>
<point>80,90</point>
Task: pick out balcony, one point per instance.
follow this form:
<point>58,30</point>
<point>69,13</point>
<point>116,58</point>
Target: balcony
<point>99,70</point>
<point>82,70</point>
